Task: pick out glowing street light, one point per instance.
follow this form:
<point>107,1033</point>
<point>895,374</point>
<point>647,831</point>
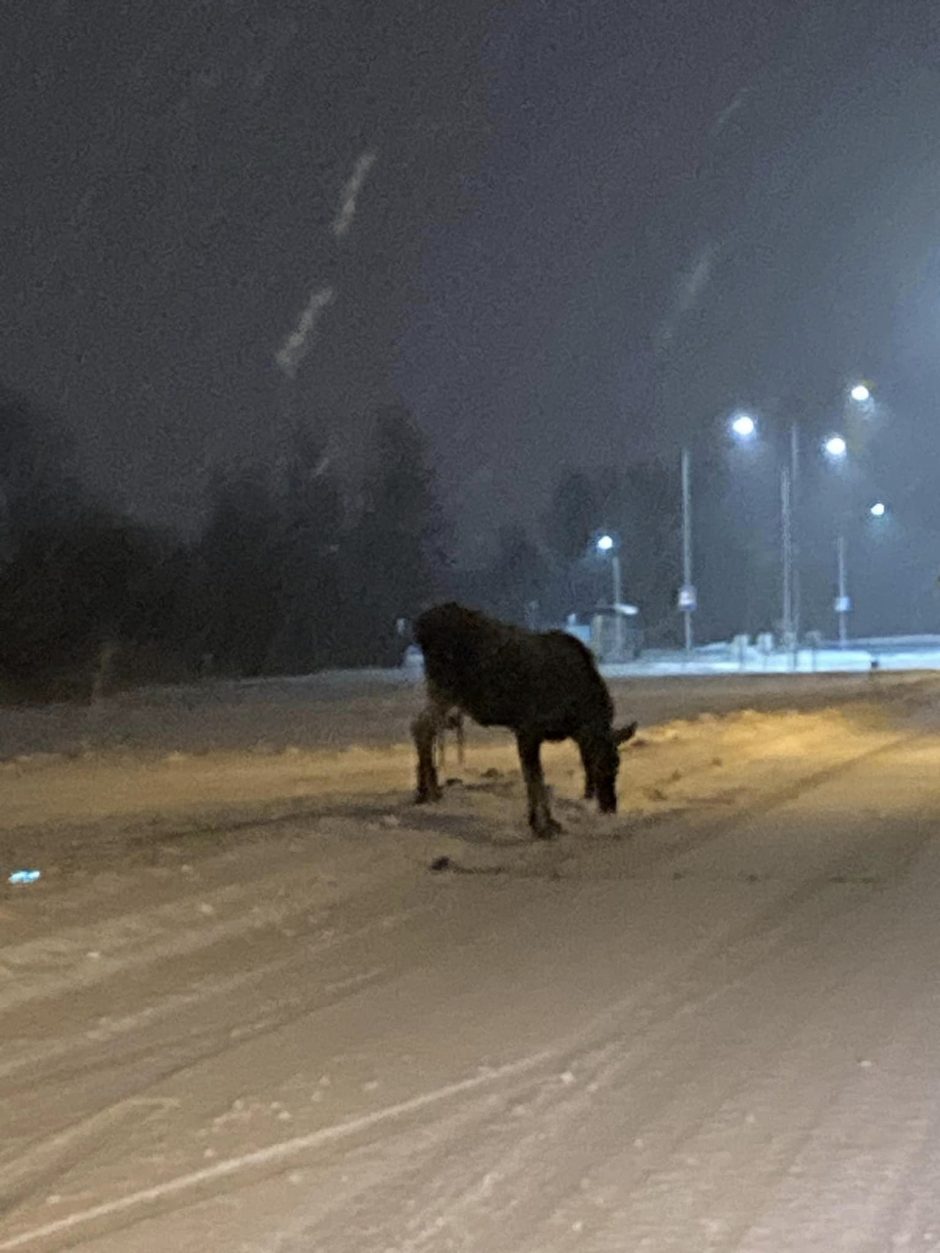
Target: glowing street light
<point>607,544</point>
<point>835,447</point>
<point>743,426</point>
<point>878,509</point>
<point>860,393</point>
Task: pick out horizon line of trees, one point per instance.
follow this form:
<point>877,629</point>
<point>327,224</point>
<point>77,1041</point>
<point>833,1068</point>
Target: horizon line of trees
<point>295,569</point>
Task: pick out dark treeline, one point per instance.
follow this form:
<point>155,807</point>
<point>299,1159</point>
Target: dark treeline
<point>539,574</point>
<point>296,567</point>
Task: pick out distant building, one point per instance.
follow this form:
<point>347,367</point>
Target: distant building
<point>613,633</point>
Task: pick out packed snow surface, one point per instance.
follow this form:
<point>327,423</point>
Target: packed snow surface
<point>239,1011</point>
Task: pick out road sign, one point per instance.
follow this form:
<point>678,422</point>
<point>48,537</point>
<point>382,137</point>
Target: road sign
<point>688,599</point>
<point>843,604</point>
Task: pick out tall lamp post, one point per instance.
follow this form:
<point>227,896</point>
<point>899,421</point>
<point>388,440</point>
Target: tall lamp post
<point>835,449</point>
<point>843,603</point>
<point>796,599</point>
<point>606,543</point>
<point>743,427</point>
<point>791,592</point>
<point>687,597</point>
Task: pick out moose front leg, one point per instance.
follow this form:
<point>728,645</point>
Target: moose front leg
<point>425,730</point>
<point>452,722</point>
<point>459,728</point>
<point>541,821</point>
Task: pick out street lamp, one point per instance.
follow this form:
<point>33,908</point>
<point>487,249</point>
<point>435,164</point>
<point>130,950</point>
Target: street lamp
<point>688,599</point>
<point>835,447</point>
<point>744,429</point>
<point>607,543</point>
<point>843,604</point>
<point>743,426</point>
<point>860,393</point>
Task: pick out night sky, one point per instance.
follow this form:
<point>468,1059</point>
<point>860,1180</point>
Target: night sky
<point>573,231</point>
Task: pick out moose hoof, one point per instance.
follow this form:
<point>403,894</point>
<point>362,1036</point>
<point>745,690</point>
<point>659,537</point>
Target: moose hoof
<point>426,795</point>
<point>547,829</point>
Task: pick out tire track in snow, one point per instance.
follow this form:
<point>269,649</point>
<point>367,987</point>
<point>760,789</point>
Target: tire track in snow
<point>54,1154</point>
<point>207,913</point>
<point>510,1176</point>
<point>272,1154</point>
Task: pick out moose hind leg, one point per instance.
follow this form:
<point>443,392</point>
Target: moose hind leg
<point>589,786</point>
<point>459,728</point>
<point>541,821</point>
<point>425,731</point>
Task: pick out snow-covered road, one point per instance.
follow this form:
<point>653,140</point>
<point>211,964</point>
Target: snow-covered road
<point>239,1012</point>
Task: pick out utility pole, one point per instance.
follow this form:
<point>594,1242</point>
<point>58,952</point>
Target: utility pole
<point>618,598</point>
<point>786,538</point>
<point>687,594</point>
<point>842,600</point>
<point>795,589</point>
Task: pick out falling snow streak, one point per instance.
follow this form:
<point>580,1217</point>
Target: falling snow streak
<point>689,291</point>
<point>296,346</point>
<point>350,194</point>
<point>292,352</point>
<point>728,112</point>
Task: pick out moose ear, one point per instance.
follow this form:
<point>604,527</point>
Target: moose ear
<point>622,734</point>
